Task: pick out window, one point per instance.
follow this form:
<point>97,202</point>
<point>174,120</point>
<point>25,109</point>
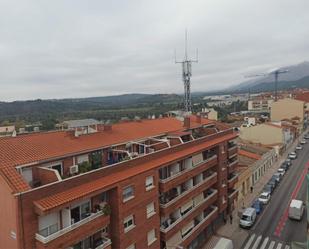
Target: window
<point>149,182</point>
<point>151,237</point>
<point>150,209</point>
<point>128,223</point>
<point>131,246</point>
<point>128,193</point>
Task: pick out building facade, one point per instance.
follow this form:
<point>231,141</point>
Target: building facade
<point>260,104</point>
<point>287,109</point>
<point>160,183</point>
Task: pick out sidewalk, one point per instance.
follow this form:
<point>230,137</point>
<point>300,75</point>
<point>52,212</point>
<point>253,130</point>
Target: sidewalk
<point>233,231</point>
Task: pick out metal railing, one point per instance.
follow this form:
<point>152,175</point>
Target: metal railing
<point>165,230</point>
<point>67,229</point>
<point>213,175</point>
<point>187,170</point>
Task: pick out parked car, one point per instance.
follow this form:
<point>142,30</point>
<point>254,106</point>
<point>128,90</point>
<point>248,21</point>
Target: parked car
<point>264,198</point>
<point>285,166</point>
<point>257,205</point>
<point>281,171</point>
<point>277,176</point>
<point>306,136</point>
<point>303,141</point>
<point>296,209</point>
<point>292,155</point>
<point>273,182</point>
<point>248,218</point>
<point>268,188</point>
<point>288,161</point>
<point>299,147</point>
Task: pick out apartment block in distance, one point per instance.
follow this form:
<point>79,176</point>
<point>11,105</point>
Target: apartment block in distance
<point>157,183</point>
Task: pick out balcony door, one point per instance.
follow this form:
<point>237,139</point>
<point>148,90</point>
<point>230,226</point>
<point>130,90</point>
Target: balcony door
<point>80,212</point>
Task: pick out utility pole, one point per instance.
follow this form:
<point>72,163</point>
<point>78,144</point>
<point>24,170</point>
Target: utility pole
<point>186,76</point>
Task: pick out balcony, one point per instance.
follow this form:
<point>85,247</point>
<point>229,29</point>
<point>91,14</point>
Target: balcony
<point>233,178</point>
<point>200,224</point>
<point>169,203</point>
<point>104,243</point>
<point>176,179</point>
<point>168,230</point>
<point>232,163</point>
<point>232,151</point>
<point>69,234</point>
<point>232,194</point>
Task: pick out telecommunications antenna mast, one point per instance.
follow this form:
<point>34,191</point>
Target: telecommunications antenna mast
<point>186,75</point>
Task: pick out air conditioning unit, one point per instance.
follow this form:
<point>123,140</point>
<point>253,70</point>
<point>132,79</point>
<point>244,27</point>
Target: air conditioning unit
<point>151,150</point>
<point>74,169</point>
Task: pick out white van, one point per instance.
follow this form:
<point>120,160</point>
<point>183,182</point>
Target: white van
<point>224,243</point>
<point>247,218</point>
<point>296,209</point>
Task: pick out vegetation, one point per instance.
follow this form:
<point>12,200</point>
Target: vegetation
<point>84,167</point>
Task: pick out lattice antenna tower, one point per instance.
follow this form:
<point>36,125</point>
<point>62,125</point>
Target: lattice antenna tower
<point>186,75</point>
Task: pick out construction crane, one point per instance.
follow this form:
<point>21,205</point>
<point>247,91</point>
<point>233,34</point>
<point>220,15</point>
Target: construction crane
<point>186,76</point>
<point>276,73</point>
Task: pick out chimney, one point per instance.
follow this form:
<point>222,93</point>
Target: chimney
<point>100,127</point>
<point>186,122</point>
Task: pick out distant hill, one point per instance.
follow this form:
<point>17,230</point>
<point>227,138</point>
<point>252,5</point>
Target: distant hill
<point>297,75</point>
<point>34,110</point>
<point>270,86</point>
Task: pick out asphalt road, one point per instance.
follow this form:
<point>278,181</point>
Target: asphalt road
<point>273,222</point>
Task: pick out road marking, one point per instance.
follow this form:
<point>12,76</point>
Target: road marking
<point>287,247</point>
<point>272,244</point>
<point>257,242</point>
<point>281,224</point>
<point>250,241</point>
<point>279,246</point>
<point>264,243</point>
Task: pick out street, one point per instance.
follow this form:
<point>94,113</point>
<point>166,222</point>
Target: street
<point>273,228</point>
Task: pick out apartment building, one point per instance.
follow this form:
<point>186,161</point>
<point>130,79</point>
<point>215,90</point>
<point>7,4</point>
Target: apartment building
<point>260,104</point>
<point>161,183</point>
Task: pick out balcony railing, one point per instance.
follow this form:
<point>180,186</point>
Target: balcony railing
<point>67,229</point>
<point>105,242</point>
<point>232,163</point>
<point>232,178</point>
<point>213,175</point>
<point>200,223</point>
<point>232,193</point>
<point>187,170</point>
<point>165,230</point>
<point>232,147</point>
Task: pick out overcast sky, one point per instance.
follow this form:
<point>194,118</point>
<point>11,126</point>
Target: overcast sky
<point>62,48</point>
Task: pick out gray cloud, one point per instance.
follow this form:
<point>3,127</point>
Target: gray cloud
<point>72,48</point>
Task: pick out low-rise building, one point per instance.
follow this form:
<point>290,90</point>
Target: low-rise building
<point>287,109</point>
<point>253,163</point>
<point>273,135</point>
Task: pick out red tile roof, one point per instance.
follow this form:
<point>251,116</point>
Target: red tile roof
<point>249,154</point>
<point>304,96</point>
<point>36,147</point>
<point>73,194</point>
